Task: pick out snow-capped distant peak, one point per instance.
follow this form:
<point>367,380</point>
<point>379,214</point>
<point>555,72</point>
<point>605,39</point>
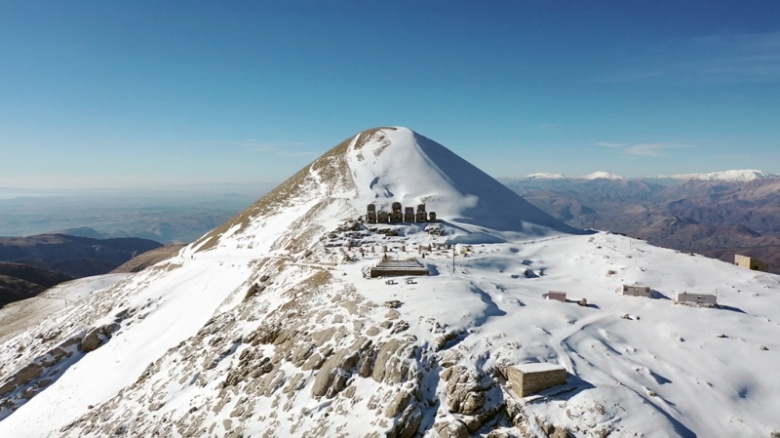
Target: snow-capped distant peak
<point>543,175</point>
<point>602,175</point>
<point>727,175</point>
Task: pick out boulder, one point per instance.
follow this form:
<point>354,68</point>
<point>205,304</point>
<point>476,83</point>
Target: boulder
<point>92,341</point>
<point>28,374</point>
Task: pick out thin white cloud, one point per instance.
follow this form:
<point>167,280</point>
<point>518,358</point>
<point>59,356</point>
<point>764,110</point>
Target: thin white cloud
<point>606,144</point>
<point>644,149</point>
<point>652,149</point>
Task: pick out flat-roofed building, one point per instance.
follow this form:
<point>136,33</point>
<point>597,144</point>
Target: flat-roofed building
<point>750,263</point>
<point>530,378</point>
<point>397,268</point>
<point>693,299</point>
<point>636,290</point>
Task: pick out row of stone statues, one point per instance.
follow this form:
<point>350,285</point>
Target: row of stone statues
<point>397,215</point>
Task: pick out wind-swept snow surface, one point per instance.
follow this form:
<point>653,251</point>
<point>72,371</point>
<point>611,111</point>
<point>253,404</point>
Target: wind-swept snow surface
<point>271,325</point>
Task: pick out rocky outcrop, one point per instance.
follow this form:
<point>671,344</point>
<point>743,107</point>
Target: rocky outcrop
<point>95,338</point>
<point>44,370</point>
<point>474,397</point>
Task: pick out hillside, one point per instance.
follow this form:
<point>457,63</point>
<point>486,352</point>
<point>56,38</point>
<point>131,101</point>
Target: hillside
<point>19,281</point>
<point>72,255</point>
<point>149,258</point>
<point>272,325</point>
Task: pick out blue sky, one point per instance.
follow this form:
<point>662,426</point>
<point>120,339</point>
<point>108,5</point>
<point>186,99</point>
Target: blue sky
<point>147,93</point>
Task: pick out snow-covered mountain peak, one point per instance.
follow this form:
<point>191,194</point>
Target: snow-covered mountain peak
<point>399,165</point>
<point>382,166</point>
<point>275,325</point>
<point>602,175</point>
<point>544,175</point>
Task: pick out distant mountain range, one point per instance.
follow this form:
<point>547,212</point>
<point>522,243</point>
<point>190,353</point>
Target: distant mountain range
<point>715,214</point>
<point>728,175</point>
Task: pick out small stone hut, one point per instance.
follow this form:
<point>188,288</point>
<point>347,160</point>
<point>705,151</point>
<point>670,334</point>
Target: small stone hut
<point>750,263</point>
<point>557,296</point>
<point>530,378</point>
<point>692,299</point>
<point>636,290</point>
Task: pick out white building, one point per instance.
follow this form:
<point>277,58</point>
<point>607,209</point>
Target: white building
<point>636,291</point>
<point>693,299</point>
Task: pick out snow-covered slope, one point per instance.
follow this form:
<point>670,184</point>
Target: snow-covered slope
<point>270,325</point>
<point>19,316</point>
<point>728,175</point>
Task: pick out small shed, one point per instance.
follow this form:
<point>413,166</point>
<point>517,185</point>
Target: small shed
<point>636,290</point>
<point>557,296</point>
<point>750,263</point>
<point>692,299</point>
<point>530,378</point>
